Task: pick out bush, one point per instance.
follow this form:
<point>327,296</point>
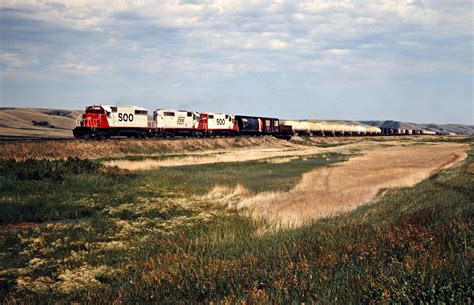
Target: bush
<point>32,169</point>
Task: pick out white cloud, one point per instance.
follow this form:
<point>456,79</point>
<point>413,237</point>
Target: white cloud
<point>221,46</point>
<point>277,44</point>
<point>80,68</point>
<point>211,35</point>
<point>12,60</point>
<point>339,51</point>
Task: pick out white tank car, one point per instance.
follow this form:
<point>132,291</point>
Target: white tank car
<point>176,119</point>
<point>360,130</point>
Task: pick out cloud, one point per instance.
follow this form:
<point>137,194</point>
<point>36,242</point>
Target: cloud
<point>80,68</point>
<point>278,44</point>
<point>153,44</point>
<point>339,51</point>
<point>224,27</point>
<point>184,35</point>
<point>12,60</point>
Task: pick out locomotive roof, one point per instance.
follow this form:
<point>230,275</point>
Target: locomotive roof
<point>160,109</point>
<point>217,113</point>
<point>124,106</point>
<point>128,106</point>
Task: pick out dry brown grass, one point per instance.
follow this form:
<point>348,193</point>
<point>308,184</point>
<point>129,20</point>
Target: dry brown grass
<point>274,155</point>
<point>123,147</point>
<point>18,122</point>
<point>328,191</point>
<point>275,151</point>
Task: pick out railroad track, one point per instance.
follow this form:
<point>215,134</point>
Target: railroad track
<point>30,139</point>
<point>4,139</point>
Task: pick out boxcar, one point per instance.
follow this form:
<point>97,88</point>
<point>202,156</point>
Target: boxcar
<point>257,125</point>
<point>248,125</point>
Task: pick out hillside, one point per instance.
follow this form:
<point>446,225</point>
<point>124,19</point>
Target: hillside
<point>455,128</point>
<point>42,122</point>
<point>35,122</point>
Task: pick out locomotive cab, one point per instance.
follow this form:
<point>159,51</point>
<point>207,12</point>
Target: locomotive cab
<point>93,117</point>
<point>104,121</point>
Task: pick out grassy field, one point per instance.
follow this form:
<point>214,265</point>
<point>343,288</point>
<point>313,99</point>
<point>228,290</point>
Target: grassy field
<point>78,231</point>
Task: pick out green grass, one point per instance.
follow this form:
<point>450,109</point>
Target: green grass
<point>325,145</point>
<point>256,176</point>
<point>451,139</point>
<point>151,239</point>
<point>159,157</point>
<point>85,187</point>
<point>45,190</point>
<point>57,170</point>
<point>414,245</point>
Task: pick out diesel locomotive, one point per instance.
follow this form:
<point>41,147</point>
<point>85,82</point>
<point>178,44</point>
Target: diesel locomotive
<point>105,121</point>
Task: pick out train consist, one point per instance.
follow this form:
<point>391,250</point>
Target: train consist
<point>105,121</point>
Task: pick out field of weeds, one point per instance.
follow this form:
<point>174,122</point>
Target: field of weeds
<point>79,231</point>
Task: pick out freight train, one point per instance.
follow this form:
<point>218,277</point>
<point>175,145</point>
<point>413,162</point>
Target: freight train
<point>106,121</point>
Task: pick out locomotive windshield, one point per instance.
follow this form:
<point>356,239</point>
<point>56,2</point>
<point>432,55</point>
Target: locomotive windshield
<point>94,111</point>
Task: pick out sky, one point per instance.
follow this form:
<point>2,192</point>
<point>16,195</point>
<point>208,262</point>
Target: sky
<point>353,60</point>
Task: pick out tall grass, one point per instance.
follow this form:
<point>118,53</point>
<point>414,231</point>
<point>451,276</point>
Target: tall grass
<point>151,242</point>
<point>44,190</point>
<point>256,176</point>
<point>32,169</point>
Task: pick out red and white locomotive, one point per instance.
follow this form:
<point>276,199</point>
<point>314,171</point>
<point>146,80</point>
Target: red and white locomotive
<point>218,124</point>
<point>169,122</point>
<point>105,121</point>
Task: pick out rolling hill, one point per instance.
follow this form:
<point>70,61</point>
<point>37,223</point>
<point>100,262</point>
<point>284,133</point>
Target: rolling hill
<point>455,128</point>
<point>42,122</point>
<point>35,122</point>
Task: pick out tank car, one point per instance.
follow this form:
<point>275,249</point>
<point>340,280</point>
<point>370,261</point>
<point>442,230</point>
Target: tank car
<point>105,121</point>
<point>426,132</point>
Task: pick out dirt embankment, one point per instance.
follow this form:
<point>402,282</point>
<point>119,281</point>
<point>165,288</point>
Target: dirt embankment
<point>123,147</point>
<point>332,190</point>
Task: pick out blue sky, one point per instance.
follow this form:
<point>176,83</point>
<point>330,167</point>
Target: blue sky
<point>400,60</point>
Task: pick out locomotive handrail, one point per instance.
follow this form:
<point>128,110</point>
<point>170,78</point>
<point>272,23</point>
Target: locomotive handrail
<point>88,122</point>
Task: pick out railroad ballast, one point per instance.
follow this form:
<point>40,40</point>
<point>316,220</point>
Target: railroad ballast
<point>105,121</point>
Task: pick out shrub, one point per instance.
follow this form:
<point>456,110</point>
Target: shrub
<point>32,169</point>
